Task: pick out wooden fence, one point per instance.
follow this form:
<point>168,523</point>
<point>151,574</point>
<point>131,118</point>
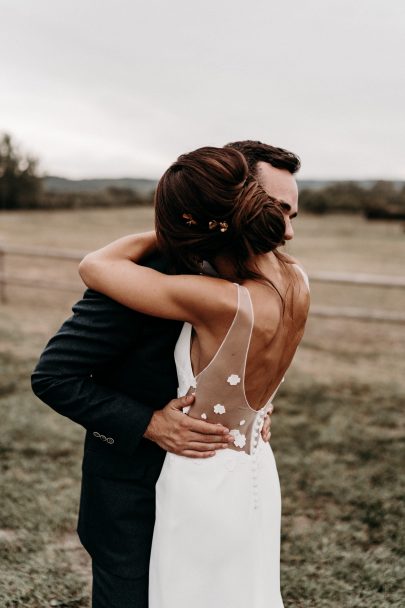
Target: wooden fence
<point>358,279</point>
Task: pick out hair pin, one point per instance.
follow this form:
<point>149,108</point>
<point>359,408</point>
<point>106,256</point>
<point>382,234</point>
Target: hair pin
<point>213,224</point>
<point>190,221</point>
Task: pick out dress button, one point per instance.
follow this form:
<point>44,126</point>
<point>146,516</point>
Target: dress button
<point>110,440</point>
<point>96,434</point>
<point>103,437</point>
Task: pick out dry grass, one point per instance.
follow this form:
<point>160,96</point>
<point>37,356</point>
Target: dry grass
<point>338,427</point>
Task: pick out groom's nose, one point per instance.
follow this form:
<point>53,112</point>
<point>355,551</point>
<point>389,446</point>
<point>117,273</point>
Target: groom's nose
<point>289,232</point>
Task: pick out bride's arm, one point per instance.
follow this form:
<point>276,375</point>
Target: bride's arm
<point>133,247</point>
<point>114,272</point>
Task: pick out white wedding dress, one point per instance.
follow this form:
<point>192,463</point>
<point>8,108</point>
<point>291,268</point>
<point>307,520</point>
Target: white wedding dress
<point>216,541</point>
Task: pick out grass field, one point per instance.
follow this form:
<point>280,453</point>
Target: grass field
<point>338,427</point>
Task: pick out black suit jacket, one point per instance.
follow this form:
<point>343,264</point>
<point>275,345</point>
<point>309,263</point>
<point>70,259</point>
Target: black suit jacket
<point>108,368</point>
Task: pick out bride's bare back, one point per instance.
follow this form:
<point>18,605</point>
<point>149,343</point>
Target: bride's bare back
<point>277,331</point>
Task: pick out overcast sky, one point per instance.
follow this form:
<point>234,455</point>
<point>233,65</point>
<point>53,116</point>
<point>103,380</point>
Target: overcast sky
<point>121,87</point>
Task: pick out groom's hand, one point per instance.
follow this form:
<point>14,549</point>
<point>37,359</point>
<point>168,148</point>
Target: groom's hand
<point>266,434</point>
<point>178,433</point>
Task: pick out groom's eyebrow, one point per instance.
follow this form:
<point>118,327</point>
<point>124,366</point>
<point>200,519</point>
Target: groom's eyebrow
<point>287,207</point>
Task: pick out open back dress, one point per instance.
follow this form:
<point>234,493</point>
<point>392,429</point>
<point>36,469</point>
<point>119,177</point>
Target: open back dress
<point>216,541</point>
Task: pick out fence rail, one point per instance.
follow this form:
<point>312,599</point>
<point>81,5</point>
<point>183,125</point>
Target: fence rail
<point>74,255</point>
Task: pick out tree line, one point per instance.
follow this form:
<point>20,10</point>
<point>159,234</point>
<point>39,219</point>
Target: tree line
<point>383,200</point>
<point>21,187</point>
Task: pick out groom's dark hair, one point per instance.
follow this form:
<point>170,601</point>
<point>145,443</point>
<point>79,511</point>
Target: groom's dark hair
<point>256,151</point>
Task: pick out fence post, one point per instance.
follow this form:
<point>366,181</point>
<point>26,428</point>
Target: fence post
<point>3,295</point>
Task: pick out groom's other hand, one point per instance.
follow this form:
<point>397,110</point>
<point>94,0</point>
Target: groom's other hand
<point>181,434</point>
<point>266,434</point>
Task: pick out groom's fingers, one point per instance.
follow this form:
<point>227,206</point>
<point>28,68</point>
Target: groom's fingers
<point>176,432</point>
<point>198,426</point>
<point>181,402</point>
<point>210,438</point>
<point>207,447</point>
<point>195,454</point>
<point>205,430</point>
<point>266,428</point>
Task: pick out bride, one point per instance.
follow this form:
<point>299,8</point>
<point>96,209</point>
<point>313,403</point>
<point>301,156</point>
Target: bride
<point>217,532</point>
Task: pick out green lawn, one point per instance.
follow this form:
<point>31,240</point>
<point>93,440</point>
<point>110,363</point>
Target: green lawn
<point>338,426</point>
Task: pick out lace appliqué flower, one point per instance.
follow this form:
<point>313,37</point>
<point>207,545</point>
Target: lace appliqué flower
<point>204,416</point>
<point>242,422</point>
<point>219,409</point>
<point>233,379</point>
<point>186,409</point>
<point>239,438</point>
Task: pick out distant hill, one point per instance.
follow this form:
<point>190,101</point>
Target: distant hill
<point>146,186</point>
<point>61,184</point>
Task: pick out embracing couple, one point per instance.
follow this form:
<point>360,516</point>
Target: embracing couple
<point>180,503</point>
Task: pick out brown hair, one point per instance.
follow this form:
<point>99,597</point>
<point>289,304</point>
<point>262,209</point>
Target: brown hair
<point>214,185</point>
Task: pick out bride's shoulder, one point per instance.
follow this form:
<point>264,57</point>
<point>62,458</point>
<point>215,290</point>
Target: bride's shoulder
<point>302,272</point>
<point>289,259</point>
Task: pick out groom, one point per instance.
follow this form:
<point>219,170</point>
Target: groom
<point>111,370</point>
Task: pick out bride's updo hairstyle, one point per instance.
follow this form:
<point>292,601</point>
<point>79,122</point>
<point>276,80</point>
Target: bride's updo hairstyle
<point>208,204</point>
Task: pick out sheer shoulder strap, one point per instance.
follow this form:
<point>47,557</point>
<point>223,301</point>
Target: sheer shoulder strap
<point>234,348</point>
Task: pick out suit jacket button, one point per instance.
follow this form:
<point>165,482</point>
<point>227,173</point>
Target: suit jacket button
<point>110,440</point>
<point>103,437</point>
<point>96,434</point>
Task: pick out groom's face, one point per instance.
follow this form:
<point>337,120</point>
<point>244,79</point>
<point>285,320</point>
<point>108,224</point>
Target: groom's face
<point>280,184</point>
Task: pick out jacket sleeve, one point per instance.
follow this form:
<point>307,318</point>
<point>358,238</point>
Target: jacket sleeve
<point>99,331</point>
